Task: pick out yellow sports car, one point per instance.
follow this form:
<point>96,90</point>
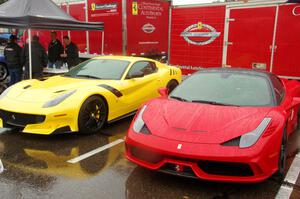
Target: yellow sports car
<point>95,92</point>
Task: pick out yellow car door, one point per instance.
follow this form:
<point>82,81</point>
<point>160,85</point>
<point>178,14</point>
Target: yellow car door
<point>140,84</point>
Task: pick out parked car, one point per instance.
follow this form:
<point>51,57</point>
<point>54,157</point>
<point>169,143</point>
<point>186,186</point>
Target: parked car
<point>220,124</point>
<point>3,69</point>
<point>98,91</point>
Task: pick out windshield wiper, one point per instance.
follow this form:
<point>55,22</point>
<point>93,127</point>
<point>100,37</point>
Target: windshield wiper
<point>213,103</point>
<point>88,76</point>
<point>179,98</point>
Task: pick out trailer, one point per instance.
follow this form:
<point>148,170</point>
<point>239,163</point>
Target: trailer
<point>260,35</point>
<point>131,27</point>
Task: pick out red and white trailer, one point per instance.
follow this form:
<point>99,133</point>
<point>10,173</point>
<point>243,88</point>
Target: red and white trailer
<point>262,35</point>
<point>131,27</point>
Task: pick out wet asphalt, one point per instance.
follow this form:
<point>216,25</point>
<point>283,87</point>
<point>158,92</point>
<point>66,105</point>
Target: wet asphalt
<point>37,167</point>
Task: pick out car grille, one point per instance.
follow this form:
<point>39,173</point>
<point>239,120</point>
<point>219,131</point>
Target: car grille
<point>209,167</point>
<point>20,119</point>
<point>179,170</point>
<point>146,155</point>
<point>225,168</point>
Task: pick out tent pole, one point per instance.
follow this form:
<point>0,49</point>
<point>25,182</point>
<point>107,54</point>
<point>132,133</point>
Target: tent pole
<point>102,48</point>
<point>30,55</point>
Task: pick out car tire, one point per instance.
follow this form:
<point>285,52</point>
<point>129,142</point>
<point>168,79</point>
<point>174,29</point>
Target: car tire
<point>3,72</point>
<point>3,87</point>
<point>282,156</point>
<point>93,115</point>
<point>172,85</point>
<point>298,120</point>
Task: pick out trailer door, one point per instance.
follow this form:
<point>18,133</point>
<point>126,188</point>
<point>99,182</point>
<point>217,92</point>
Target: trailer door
<point>287,49</point>
<point>250,37</point>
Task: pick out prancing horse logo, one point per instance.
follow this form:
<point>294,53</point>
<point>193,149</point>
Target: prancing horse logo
<point>207,35</point>
<point>13,117</point>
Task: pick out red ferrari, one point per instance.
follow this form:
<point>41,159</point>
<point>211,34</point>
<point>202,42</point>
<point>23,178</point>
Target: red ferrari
<point>229,125</point>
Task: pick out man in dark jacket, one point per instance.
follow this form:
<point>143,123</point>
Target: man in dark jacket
<point>12,54</point>
<point>55,49</point>
<point>71,53</point>
<point>39,58</point>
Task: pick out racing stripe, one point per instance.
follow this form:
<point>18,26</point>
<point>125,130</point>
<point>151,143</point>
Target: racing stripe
<point>111,89</point>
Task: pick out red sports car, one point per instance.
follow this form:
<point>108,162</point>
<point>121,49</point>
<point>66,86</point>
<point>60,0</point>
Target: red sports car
<point>221,124</point>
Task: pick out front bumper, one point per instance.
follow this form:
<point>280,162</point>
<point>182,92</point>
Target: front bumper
<point>205,161</point>
<point>40,121</point>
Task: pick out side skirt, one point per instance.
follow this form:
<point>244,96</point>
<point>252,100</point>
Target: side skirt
<point>122,117</point>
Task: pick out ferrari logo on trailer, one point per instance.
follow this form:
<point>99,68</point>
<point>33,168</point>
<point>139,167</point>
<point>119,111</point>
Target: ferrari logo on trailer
<point>135,9</point>
<point>93,5</point>
<point>200,25</point>
<point>148,28</point>
<point>207,35</point>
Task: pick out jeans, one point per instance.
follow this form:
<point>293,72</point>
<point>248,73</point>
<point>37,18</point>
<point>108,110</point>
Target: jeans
<point>56,64</point>
<point>15,76</point>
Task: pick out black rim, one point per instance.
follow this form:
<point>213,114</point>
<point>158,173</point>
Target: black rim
<point>298,121</point>
<point>94,115</point>
<point>282,156</point>
<point>3,72</point>
<point>2,88</point>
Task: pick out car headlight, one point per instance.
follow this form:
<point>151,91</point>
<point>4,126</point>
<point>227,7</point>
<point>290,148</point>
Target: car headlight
<point>139,125</point>
<point>58,100</point>
<point>4,93</point>
<point>252,137</point>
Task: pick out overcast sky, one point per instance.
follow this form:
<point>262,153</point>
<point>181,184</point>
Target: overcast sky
<point>179,2</point>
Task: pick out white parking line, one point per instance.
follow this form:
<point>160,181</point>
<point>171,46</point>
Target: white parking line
<point>291,177</point>
<point>4,130</point>
<point>1,167</point>
<point>95,151</point>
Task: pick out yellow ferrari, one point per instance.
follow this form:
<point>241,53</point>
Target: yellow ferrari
<point>98,91</point>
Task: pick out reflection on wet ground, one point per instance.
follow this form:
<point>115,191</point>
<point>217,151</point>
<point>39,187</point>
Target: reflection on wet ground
<point>36,167</point>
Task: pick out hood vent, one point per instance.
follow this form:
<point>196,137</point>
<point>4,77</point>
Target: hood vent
<point>184,130</point>
<point>26,87</point>
<point>60,91</point>
<point>179,129</point>
<point>199,131</point>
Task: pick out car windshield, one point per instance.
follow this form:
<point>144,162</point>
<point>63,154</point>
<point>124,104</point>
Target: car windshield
<point>228,89</point>
<point>99,69</point>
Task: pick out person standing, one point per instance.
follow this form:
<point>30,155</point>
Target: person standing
<point>12,54</point>
<point>71,53</point>
<point>39,58</point>
<point>55,49</point>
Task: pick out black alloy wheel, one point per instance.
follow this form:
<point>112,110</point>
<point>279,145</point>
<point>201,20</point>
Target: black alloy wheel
<point>3,72</point>
<point>282,156</point>
<point>93,115</point>
<point>3,87</point>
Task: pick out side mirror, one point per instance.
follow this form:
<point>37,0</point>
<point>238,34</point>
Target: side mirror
<point>164,92</point>
<point>137,74</point>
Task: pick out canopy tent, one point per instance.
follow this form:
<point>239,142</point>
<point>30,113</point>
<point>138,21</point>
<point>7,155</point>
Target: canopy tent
<point>40,14</point>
